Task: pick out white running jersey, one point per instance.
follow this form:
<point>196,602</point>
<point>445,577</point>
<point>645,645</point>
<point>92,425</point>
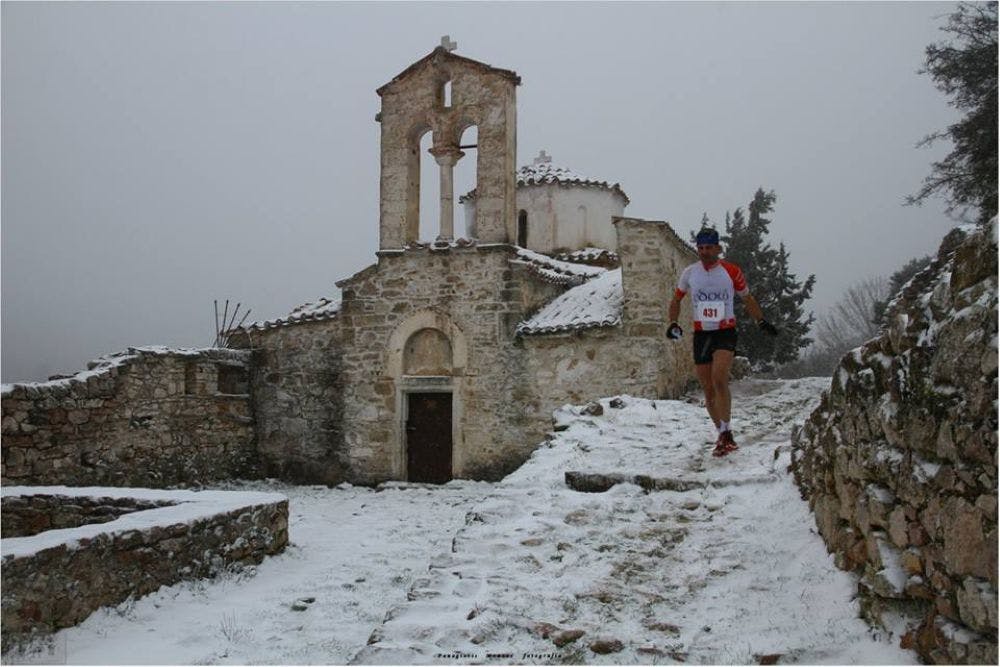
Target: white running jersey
<point>712,293</point>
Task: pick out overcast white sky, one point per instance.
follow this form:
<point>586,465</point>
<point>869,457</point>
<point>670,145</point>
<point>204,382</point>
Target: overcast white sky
<point>158,156</point>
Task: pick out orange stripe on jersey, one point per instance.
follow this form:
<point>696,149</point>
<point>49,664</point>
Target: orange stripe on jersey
<point>736,275</point>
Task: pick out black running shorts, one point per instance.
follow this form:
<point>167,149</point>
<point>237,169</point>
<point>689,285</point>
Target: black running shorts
<point>707,342</point>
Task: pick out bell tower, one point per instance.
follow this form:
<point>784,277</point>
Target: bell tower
<point>445,94</point>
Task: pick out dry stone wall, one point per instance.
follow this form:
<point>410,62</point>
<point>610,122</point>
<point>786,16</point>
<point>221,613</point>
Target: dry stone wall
<point>59,583</point>
<point>899,461</point>
<point>149,417</point>
<point>32,514</point>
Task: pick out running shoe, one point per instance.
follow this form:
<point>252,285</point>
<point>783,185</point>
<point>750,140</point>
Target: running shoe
<point>725,444</point>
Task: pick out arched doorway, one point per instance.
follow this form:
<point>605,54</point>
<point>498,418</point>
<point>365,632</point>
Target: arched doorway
<point>428,406</point>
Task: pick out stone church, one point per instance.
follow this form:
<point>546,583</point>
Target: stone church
<point>446,357</point>
<point>443,359</point>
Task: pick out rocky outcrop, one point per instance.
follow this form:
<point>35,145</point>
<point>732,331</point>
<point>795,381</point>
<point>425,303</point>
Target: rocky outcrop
<point>899,461</point>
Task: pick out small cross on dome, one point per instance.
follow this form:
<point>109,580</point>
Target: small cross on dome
<point>447,44</point>
<point>543,158</point>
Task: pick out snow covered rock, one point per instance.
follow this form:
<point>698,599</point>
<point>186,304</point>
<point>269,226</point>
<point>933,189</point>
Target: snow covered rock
<point>899,461</point>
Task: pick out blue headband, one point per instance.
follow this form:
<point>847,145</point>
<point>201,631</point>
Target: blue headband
<point>707,237</point>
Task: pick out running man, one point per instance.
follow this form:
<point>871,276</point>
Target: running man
<point>712,283</point>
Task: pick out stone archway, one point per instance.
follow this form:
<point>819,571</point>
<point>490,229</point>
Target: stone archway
<point>427,352</point>
<point>426,361</point>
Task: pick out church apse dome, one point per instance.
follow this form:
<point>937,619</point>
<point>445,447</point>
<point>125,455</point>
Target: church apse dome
<point>559,210</point>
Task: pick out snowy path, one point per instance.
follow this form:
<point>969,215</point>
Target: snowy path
<point>727,572</point>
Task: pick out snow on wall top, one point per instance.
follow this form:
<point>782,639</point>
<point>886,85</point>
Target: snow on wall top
<point>103,365</point>
<point>543,172</point>
<point>596,303</point>
<point>188,507</point>
<point>322,309</point>
<point>554,270</point>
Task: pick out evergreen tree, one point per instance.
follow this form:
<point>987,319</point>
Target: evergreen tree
<point>780,294</point>
<point>965,70</point>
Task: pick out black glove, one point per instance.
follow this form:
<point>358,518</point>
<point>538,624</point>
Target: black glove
<point>768,328</point>
<point>674,331</point>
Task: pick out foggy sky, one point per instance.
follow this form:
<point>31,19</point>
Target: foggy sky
<point>158,156</point>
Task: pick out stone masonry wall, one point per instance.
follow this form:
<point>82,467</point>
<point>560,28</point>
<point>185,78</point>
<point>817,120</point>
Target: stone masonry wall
<point>325,400</point>
<point>33,514</point>
<point>653,257</point>
<point>147,417</point>
<point>899,461</point>
<point>328,397</point>
<point>59,586</point>
<point>412,104</point>
<point>475,290</point>
<point>297,397</point>
<point>634,358</point>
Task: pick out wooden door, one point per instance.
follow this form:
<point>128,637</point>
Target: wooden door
<point>428,437</point>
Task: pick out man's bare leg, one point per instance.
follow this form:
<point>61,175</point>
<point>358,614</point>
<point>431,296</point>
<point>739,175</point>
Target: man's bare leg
<point>722,361</point>
<point>704,373</point>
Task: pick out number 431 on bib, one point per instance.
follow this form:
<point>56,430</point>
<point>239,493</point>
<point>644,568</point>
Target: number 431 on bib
<point>711,311</point>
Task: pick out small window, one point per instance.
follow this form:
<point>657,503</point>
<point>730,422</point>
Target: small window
<point>522,229</point>
<point>446,94</point>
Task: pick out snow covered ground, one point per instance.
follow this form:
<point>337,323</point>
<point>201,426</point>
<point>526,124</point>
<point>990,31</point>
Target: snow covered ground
<point>729,572</point>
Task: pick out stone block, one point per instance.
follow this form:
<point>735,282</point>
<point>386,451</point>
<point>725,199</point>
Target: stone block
<point>977,604</point>
<point>912,561</point>
<point>965,546</point>
<point>898,527</point>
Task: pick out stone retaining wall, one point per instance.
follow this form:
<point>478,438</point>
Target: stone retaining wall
<point>899,461</point>
<point>33,514</point>
<point>146,417</point>
<point>56,579</point>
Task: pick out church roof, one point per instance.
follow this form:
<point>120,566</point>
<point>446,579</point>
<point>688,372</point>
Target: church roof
<point>555,271</point>
<point>595,303</point>
<point>588,255</point>
<point>444,54</point>
<point>315,311</point>
<point>542,172</point>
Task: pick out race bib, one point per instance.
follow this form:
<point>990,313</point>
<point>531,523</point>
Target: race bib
<point>710,311</point>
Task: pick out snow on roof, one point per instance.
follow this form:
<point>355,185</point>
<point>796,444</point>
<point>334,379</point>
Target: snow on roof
<point>588,254</point>
<point>187,507</point>
<point>543,172</point>
<point>554,270</point>
<point>322,309</point>
<point>596,303</point>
